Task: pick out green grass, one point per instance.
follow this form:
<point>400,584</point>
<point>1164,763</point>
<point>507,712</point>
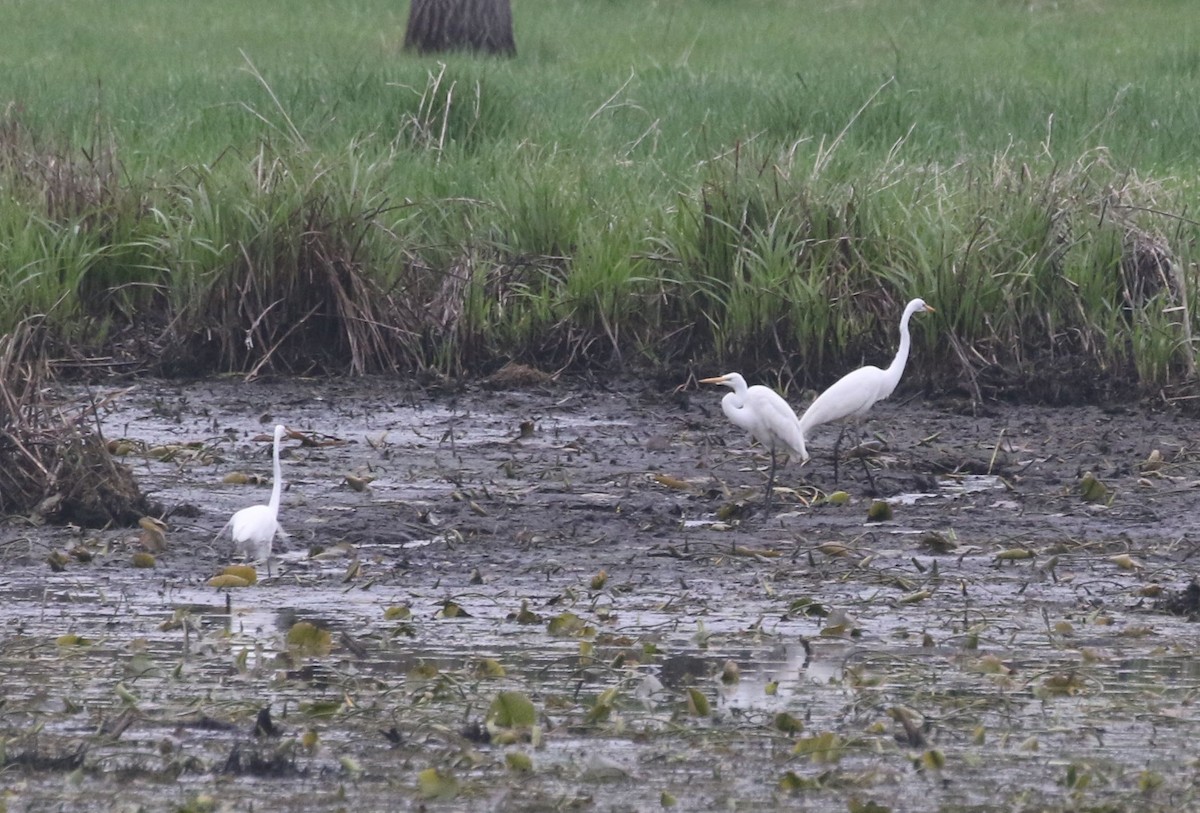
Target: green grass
<point>760,184</point>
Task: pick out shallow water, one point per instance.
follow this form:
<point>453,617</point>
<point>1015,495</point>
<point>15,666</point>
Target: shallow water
<point>1047,682</point>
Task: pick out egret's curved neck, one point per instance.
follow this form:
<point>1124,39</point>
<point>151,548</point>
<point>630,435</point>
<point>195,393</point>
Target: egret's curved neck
<point>277,486</point>
<point>896,368</point>
<point>739,389</point>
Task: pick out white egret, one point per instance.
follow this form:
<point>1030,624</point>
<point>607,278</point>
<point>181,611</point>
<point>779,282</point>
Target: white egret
<point>856,392</point>
<point>764,414</point>
<point>254,529</point>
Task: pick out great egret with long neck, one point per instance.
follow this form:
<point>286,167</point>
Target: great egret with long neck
<point>856,392</point>
<point>764,414</point>
<point>254,529</point>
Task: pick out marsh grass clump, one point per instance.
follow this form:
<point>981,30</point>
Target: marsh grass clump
<point>1056,285</point>
<point>294,210</point>
<point>286,263</point>
<point>291,295</point>
<point>455,108</point>
<point>52,465</point>
<point>65,185</point>
<point>70,230</point>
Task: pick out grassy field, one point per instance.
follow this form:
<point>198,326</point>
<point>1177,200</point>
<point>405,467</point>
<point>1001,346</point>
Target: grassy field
<point>758,184</point>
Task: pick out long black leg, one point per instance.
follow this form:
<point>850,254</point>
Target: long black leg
<point>837,446</point>
<point>870,477</point>
<point>771,481</point>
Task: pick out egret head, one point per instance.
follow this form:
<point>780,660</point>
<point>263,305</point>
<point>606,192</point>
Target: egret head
<point>732,380</point>
<point>919,306</point>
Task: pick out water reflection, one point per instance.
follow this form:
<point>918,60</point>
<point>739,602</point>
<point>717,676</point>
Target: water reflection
<point>952,487</point>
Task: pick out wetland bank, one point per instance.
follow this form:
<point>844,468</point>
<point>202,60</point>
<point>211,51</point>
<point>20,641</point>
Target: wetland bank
<point>594,551</point>
<point>562,594</point>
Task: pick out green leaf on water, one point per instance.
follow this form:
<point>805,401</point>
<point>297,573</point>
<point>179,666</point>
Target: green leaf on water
<point>228,580</point>
<point>1078,777</point>
<point>1149,781</point>
<point>1060,684</point>
<point>567,624</point>
<point>933,759</point>
<point>57,561</point>
<point>518,761</point>
<point>424,670</point>
<point>869,806</point>
<point>793,782</point>
<point>697,703</point>
<point>807,606</point>
<point>199,803</point>
<point>397,613</point>
<point>321,708</point>
<point>992,665</point>
<point>512,710</point>
<point>451,609</point>
<point>823,747</point>
<point>350,765</point>
<point>247,573</point>
<point>526,615</point>
<point>880,511</point>
<point>602,708</point>
<point>140,665</point>
<point>787,723</point>
<point>938,542</point>
<point>489,668</point>
<point>1094,491</point>
<point>307,639</point>
<point>436,784</point>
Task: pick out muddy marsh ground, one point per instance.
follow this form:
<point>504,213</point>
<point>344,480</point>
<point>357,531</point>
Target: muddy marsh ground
<point>566,597</point>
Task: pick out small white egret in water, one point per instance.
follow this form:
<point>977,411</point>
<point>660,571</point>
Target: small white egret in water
<point>764,414</point>
<point>856,392</point>
<point>253,529</point>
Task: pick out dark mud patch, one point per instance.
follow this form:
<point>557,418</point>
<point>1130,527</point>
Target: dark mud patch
<point>1185,602</point>
<point>1000,643</point>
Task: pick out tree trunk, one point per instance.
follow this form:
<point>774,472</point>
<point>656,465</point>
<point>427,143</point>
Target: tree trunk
<point>448,25</point>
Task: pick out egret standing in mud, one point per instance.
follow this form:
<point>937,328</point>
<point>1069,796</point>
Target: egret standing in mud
<point>253,529</point>
<point>856,392</point>
<point>764,414</point>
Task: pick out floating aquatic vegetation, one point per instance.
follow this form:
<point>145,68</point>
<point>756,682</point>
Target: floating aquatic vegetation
<point>880,511</point>
<point>308,640</point>
<point>1094,491</point>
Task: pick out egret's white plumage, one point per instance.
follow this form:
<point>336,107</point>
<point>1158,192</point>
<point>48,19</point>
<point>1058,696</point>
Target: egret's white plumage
<point>856,392</point>
<point>254,529</point>
<point>764,414</point>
